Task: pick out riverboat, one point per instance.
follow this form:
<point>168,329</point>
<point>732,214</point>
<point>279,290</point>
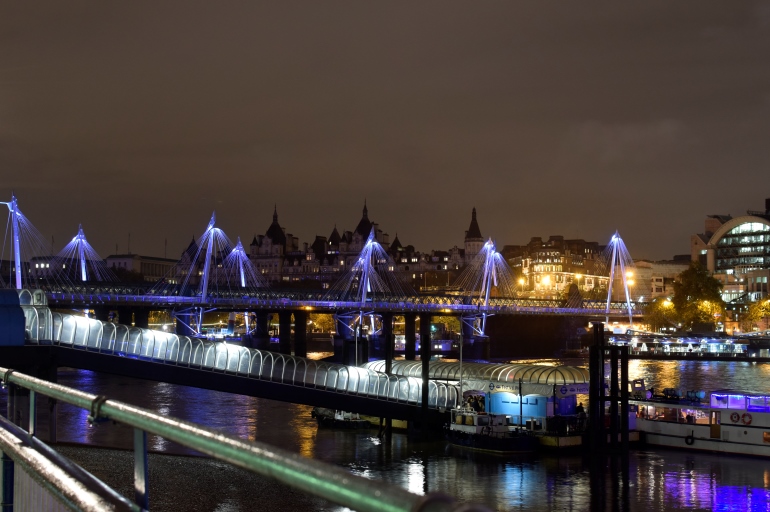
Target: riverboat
<point>488,432</point>
<point>729,421</point>
<point>338,419</point>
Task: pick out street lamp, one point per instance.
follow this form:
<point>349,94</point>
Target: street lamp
<point>578,277</point>
<point>521,283</point>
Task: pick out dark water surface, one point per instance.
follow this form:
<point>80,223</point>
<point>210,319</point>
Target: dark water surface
<point>657,479</point>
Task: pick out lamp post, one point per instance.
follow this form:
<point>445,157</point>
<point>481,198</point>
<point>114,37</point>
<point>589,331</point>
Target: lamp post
<point>521,284</point>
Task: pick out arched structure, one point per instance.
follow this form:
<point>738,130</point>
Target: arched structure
<point>738,254</point>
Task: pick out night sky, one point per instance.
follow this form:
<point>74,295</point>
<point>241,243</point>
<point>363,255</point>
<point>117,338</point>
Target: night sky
<point>551,118</point>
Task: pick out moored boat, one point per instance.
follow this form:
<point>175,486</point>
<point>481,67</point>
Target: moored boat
<point>338,419</point>
<point>488,432</point>
<point>729,421</point>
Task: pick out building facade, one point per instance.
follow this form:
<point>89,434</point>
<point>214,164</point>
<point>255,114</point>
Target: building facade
<point>736,250</point>
<point>152,269</point>
<point>546,269</point>
<point>279,258</point>
<point>655,279</point>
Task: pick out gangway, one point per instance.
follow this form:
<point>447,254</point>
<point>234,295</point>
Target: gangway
<point>98,343</point>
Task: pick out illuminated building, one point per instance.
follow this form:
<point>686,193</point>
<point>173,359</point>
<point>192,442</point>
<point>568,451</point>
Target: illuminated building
<point>279,257</point>
<point>546,269</point>
<point>737,252</point>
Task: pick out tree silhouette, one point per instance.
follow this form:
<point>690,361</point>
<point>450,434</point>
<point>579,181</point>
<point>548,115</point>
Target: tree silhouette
<point>697,296</point>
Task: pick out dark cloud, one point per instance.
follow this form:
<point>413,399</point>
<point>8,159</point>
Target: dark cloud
<point>565,118</point>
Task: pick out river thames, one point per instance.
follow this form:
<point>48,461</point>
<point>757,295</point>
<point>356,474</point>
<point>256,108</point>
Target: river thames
<point>657,479</point>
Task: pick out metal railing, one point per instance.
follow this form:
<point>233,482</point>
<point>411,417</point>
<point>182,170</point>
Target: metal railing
<point>308,475</point>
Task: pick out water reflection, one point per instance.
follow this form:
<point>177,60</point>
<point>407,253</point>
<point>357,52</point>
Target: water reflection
<point>657,480</point>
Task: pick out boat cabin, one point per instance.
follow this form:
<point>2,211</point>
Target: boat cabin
<point>472,422</point>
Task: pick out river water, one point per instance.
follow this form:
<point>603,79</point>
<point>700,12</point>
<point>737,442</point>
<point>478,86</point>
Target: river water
<point>657,479</point>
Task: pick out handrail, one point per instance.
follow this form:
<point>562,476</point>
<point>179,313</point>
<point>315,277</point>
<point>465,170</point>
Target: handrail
<point>311,476</point>
<point>65,480</point>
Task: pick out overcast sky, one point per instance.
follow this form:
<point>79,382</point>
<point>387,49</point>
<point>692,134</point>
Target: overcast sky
<point>551,118</point>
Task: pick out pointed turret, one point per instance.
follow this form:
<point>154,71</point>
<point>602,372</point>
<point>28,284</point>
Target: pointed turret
<point>364,225</point>
<point>473,230</point>
<point>334,238</point>
<point>473,239</point>
<point>396,246</point>
<point>275,233</point>
<point>192,249</point>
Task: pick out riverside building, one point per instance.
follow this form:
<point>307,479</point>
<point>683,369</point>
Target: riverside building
<point>736,250</point>
<point>279,257</point>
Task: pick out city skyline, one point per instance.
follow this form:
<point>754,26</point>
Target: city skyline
<point>573,120</point>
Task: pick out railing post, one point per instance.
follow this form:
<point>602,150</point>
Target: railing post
<point>32,413</point>
<point>52,410</point>
<point>141,482</point>
<point>6,480</point>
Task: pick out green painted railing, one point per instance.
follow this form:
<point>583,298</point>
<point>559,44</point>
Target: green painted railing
<point>308,475</point>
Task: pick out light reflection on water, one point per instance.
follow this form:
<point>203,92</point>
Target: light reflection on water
<point>658,480</point>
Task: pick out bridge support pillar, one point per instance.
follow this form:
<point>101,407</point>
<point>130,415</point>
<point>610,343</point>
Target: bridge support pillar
<point>378,343</point>
<point>342,340</point>
<point>387,340</point>
<point>102,313</point>
<point>466,325</point>
<point>183,324</point>
<point>425,346</point>
<point>300,333</point>
<point>142,318</point>
<point>284,332</point>
<point>410,336</point>
<point>124,316</point>
<point>360,350</point>
<point>262,330</point>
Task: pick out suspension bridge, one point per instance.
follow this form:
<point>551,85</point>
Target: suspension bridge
<point>217,274</point>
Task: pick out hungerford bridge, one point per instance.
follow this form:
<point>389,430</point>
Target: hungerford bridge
<point>217,275</point>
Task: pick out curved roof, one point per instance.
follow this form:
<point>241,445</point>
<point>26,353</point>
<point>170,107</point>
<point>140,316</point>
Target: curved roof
<point>734,223</point>
<point>508,373</point>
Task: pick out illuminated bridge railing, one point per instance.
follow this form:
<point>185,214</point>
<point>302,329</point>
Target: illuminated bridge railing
<point>43,325</point>
<point>434,304</point>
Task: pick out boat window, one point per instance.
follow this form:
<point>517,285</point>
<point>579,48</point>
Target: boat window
<point>483,421</point>
<point>695,416</point>
<point>766,437</point>
<point>759,404</point>
<point>719,401</point>
<point>666,414</point>
<point>736,402</point>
